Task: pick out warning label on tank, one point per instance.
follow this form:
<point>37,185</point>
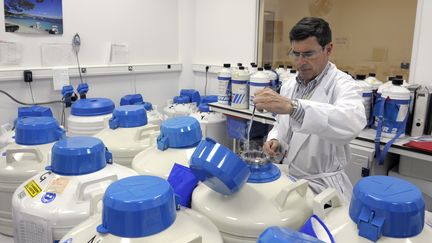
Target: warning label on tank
<point>57,185</point>
<point>32,188</point>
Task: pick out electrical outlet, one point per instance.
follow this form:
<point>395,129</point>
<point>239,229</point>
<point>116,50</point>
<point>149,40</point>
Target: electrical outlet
<point>28,76</point>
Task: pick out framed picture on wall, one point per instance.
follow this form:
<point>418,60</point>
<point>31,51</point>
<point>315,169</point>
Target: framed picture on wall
<point>42,17</point>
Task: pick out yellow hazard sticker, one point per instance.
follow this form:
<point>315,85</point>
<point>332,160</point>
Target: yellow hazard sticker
<point>32,188</point>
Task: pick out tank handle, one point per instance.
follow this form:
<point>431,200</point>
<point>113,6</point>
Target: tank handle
<point>299,186</point>
<point>95,198</point>
<point>7,127</point>
<point>11,152</point>
<point>190,238</point>
<point>82,186</point>
<point>149,131</point>
<point>326,196</point>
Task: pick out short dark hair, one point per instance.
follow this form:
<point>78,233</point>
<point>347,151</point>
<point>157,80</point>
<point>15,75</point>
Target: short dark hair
<point>311,26</point>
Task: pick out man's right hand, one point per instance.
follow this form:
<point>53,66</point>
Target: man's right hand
<point>271,147</point>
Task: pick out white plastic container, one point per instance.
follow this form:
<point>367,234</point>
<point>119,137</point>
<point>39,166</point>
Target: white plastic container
<point>128,133</point>
<point>366,91</point>
<point>51,203</point>
<point>143,209</point>
<point>89,116</point>
<point>240,89</point>
<point>258,81</point>
<point>397,99</point>
<point>213,124</point>
<point>153,115</point>
<point>7,133</point>
<point>177,141</point>
<point>373,81</point>
<point>386,209</point>
<point>280,70</point>
<point>243,211</point>
<point>183,105</point>
<point>288,76</point>
<point>23,159</point>
<point>273,76</point>
<point>224,78</point>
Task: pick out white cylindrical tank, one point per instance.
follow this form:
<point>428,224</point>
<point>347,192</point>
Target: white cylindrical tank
<point>280,70</point>
<point>177,141</point>
<point>224,79</point>
<point>396,101</point>
<point>7,132</point>
<point>51,203</point>
<point>258,81</point>
<point>240,89</point>
<point>89,116</point>
<point>366,91</point>
<point>143,209</point>
<point>153,115</point>
<point>128,133</point>
<point>183,105</point>
<point>273,76</point>
<point>243,200</point>
<point>213,124</point>
<point>382,209</point>
<point>23,159</point>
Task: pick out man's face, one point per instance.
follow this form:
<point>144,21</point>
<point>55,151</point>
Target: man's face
<point>309,57</point>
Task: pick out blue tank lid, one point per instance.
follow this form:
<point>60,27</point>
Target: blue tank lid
<point>148,106</point>
<point>388,206</point>
<point>179,132</point>
<point>37,130</point>
<point>218,167</point>
<point>181,99</point>
<point>128,116</point>
<point>209,99</point>
<point>78,156</point>
<point>193,94</point>
<point>92,107</point>
<point>34,111</point>
<point>138,206</point>
<point>131,99</point>
<point>277,234</point>
<point>204,107</point>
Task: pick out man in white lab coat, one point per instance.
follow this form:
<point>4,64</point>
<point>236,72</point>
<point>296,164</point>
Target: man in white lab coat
<point>319,112</point>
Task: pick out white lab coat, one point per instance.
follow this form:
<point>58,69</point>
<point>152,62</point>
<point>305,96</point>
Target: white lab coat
<point>319,148</point>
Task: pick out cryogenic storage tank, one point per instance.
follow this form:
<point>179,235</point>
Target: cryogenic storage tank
<point>143,209</point>
<point>177,141</point>
<point>51,203</point>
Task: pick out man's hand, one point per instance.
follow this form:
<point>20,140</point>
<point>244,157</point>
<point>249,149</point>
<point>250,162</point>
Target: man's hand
<point>269,100</point>
<point>271,147</point>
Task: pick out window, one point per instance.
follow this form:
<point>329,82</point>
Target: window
<point>369,36</point>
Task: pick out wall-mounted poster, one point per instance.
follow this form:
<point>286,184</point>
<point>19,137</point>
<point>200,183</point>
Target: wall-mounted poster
<point>34,16</point>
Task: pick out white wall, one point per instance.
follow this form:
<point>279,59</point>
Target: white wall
<point>225,32</point>
<point>148,27</point>
<point>421,61</point>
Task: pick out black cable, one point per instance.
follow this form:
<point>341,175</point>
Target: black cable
<point>24,103</point>
<point>31,91</point>
<point>79,68</point>
<point>205,87</point>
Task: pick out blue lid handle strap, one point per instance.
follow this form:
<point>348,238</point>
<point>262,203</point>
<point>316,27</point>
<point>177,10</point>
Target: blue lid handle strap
<point>108,156</point>
<point>162,142</point>
<point>370,226</point>
<point>113,122</point>
<point>83,185</point>
<point>299,186</point>
<point>82,90</point>
<point>10,158</point>
<point>328,195</point>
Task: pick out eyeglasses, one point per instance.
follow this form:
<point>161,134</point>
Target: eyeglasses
<point>305,55</point>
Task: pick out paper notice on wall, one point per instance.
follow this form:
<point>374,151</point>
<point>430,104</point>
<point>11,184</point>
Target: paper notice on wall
<point>56,54</point>
<point>119,54</point>
<point>10,53</point>
<point>60,78</point>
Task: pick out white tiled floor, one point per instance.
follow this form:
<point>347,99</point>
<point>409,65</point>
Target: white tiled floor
<point>5,239</point>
